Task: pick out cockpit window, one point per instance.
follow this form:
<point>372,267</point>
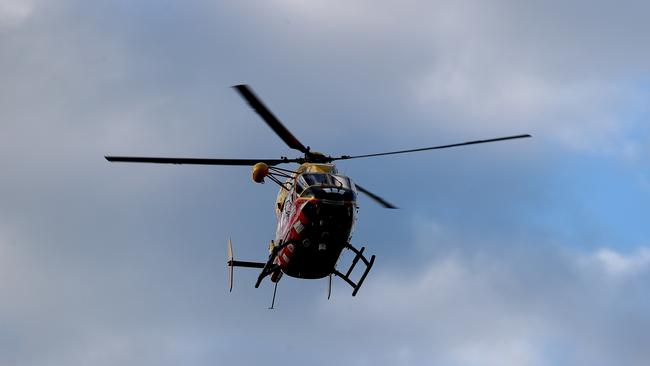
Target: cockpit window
<point>317,179</point>
<point>323,180</point>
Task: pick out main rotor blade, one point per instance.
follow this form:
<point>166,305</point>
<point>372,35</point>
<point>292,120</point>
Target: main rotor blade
<point>345,157</point>
<point>269,118</point>
<point>376,198</point>
<point>195,161</point>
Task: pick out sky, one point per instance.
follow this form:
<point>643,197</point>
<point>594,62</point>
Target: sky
<point>526,252</point>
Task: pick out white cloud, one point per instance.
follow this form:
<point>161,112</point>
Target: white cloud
<point>486,311</point>
<point>14,12</point>
<point>618,264</point>
<point>549,68</point>
<point>580,114</point>
<point>469,305</point>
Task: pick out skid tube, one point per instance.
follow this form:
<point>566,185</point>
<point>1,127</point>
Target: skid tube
<point>359,255</point>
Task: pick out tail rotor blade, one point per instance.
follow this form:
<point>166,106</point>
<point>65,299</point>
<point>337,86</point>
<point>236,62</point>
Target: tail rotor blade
<point>230,265</point>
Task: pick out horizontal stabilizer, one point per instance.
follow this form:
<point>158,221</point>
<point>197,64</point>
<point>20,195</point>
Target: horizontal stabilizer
<point>233,263</point>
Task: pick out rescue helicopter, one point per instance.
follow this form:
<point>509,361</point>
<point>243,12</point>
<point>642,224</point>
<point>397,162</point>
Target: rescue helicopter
<point>316,207</point>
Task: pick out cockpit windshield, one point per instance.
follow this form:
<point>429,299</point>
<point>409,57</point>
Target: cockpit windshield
<point>307,180</point>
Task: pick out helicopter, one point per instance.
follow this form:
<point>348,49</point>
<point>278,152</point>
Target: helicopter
<point>316,207</point>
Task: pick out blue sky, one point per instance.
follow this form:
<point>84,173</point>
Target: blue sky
<point>530,252</point>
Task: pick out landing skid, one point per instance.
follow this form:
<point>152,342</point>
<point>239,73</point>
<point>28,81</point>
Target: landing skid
<point>346,277</point>
<point>270,268</point>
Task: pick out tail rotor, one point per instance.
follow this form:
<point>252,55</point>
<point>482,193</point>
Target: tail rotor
<point>230,264</point>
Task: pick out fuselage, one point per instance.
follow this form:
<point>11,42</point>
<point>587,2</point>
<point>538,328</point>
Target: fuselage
<point>316,214</point>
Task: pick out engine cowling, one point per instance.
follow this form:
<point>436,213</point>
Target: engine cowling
<point>260,171</point>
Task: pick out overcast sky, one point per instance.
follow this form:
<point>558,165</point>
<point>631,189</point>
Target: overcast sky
<point>527,252</point>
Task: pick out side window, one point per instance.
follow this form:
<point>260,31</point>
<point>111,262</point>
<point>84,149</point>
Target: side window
<point>288,202</point>
<point>301,185</point>
<point>342,181</point>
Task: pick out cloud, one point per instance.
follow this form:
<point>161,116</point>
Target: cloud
<point>617,264</point>
<point>503,307</point>
<point>123,264</point>
<point>551,69</point>
<point>579,114</point>
<point>14,12</point>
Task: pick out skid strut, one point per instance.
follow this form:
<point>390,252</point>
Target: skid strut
<point>359,256</point>
<point>270,267</point>
<point>275,289</point>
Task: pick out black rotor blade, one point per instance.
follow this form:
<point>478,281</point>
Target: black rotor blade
<point>376,198</point>
<point>269,118</point>
<point>195,161</point>
<point>344,157</point>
